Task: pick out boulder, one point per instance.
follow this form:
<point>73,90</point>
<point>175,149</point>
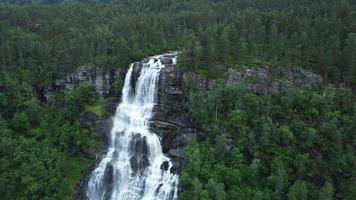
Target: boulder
<point>177,166</point>
<point>103,129</point>
<point>165,166</point>
<point>110,108</point>
<point>166,60</point>
<point>183,139</point>
<point>110,104</point>
<point>178,153</point>
<point>88,119</point>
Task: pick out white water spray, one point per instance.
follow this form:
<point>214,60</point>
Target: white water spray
<point>134,167</point>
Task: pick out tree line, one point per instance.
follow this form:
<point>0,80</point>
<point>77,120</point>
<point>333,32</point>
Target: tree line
<point>299,145</point>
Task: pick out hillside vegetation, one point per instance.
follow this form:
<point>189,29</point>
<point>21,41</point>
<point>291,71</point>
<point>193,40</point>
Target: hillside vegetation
<point>296,145</point>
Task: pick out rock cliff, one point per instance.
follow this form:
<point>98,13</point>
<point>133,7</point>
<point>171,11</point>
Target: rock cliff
<point>171,119</point>
<point>259,80</point>
<point>101,79</point>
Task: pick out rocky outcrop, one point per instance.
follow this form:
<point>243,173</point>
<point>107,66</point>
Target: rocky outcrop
<point>88,119</point>
<point>101,79</point>
<point>170,118</point>
<point>271,81</point>
<point>260,80</point>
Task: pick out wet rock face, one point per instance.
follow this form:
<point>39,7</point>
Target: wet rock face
<point>170,118</point>
<point>139,158</point>
<point>165,166</point>
<point>108,180</point>
<point>110,105</point>
<point>103,128</point>
<point>136,71</point>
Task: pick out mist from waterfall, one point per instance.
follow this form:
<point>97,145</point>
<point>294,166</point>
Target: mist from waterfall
<point>134,167</point>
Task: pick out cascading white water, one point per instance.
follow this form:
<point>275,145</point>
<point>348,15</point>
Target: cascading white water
<point>134,168</point>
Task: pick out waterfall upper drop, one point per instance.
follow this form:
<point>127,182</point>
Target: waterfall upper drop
<point>134,167</point>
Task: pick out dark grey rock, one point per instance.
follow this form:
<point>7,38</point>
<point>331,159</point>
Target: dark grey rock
<point>178,153</point>
<point>159,115</point>
<point>179,119</point>
<point>198,82</point>
<point>139,159</point>
<point>102,80</point>
<point>103,129</point>
<point>163,125</point>
<point>110,105</point>
<point>165,166</point>
<point>171,76</point>
<point>108,181</point>
<point>88,119</point>
<point>110,108</point>
<point>136,71</point>
<point>166,60</point>
<point>271,81</point>
<point>301,77</point>
<point>183,139</point>
<point>177,166</point>
<point>173,91</point>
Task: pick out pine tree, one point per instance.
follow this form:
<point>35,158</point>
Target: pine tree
<point>327,192</point>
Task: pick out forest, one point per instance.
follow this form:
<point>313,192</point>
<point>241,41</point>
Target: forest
<point>296,145</point>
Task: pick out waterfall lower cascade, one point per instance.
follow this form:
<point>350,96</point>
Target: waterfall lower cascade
<point>134,167</point>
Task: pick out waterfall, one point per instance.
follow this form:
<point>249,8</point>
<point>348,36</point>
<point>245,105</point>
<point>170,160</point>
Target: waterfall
<point>134,167</point>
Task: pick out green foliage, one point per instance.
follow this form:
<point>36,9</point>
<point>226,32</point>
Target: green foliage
<point>297,145</point>
<point>298,191</point>
<point>45,42</point>
<point>97,108</point>
<point>43,150</point>
<point>293,145</point>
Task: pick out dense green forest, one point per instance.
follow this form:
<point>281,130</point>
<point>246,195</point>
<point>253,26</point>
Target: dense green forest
<point>299,145</point>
